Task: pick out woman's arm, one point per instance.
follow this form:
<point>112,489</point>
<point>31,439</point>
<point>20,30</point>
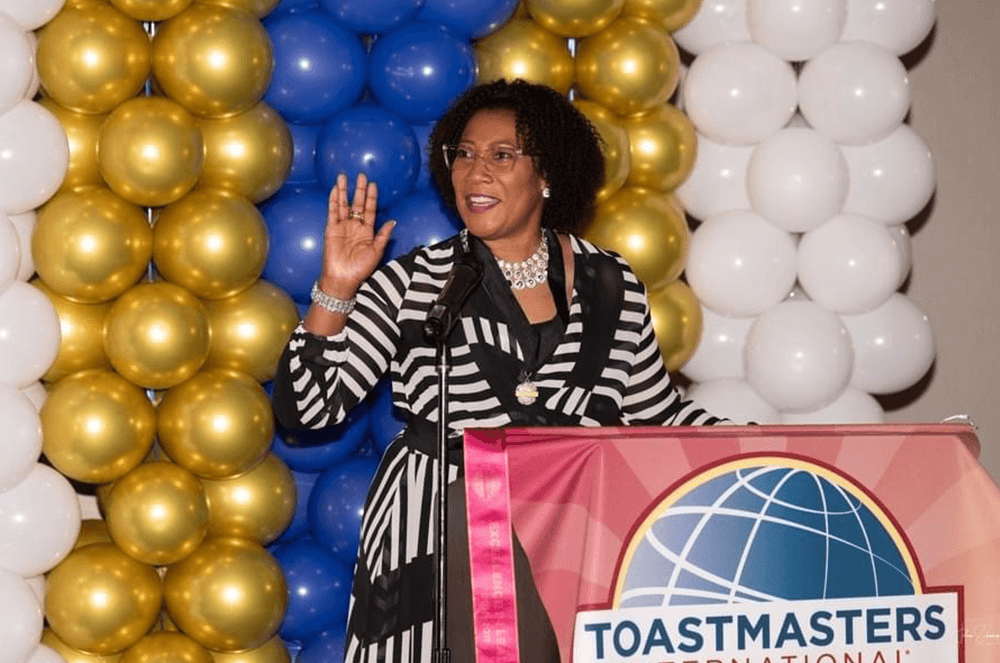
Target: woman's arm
<point>330,363</point>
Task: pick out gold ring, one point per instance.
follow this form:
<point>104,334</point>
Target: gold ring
<point>356,215</point>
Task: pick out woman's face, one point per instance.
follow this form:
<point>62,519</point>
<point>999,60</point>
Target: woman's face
<point>495,201</point>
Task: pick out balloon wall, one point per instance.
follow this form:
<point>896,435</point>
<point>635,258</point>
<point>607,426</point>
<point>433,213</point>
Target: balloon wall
<point>805,178</point>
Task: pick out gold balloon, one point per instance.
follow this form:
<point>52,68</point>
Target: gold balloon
<point>522,10</point>
<point>228,595</point>
<point>166,647</point>
<point>92,530</point>
<point>250,330</point>
<point>671,15</point>
<point>630,66</point>
<point>212,242</point>
<point>151,10</point>
<point>92,57</point>
<point>157,513</point>
<point>676,317</point>
<point>82,131</point>
<point>524,49</point>
<point>150,151</point>
<point>81,326</point>
<point>575,18</point>
<point>71,655</point>
<point>272,651</point>
<point>249,154</point>
<point>100,600</point>
<point>259,8</point>
<point>257,505</point>
<point>648,229</point>
<point>217,424</point>
<point>96,426</point>
<point>157,335</point>
<point>89,245</point>
<point>663,144</point>
<point>212,59</point>
<point>614,145</point>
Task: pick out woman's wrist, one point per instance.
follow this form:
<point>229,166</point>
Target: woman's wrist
<point>330,303</point>
<point>337,288</point>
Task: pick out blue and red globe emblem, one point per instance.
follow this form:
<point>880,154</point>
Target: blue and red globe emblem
<point>762,530</point>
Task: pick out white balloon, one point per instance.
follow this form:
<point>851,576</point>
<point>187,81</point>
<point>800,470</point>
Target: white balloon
<point>29,334</point>
<point>733,399</point>
<point>890,180</point>
<point>720,349</point>
<point>797,179</point>
<point>854,93</point>
<point>20,437</point>
<point>24,224</point>
<point>798,356</point>
<point>17,62</point>
<point>850,264</point>
<point>796,30</point>
<point>897,25</point>
<point>740,94</point>
<point>36,393</point>
<point>35,82</point>
<point>893,346</point>
<point>21,626</point>
<point>10,252</point>
<point>717,22</point>
<point>33,14</point>
<point>905,245</point>
<point>739,264</point>
<point>718,181</point>
<point>46,654</point>
<point>852,407</point>
<point>34,157</point>
<point>37,584</point>
<point>39,522</point>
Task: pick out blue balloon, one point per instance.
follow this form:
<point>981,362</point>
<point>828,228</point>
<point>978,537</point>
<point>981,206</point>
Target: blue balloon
<point>319,66</point>
<point>295,5</point>
<point>372,17</point>
<point>373,140</point>
<point>469,18</point>
<point>317,450</point>
<point>337,504</point>
<point>423,134</point>
<point>295,218</point>
<point>385,421</point>
<point>299,527</point>
<point>303,170</point>
<point>419,69</point>
<point>319,589</point>
<point>422,219</point>
<point>327,647</point>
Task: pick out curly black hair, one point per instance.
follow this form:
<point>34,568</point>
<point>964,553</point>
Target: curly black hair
<point>565,147</point>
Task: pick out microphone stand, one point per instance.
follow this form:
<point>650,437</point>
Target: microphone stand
<point>464,278</point>
<point>440,652</point>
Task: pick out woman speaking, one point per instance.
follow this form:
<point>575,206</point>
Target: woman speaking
<point>558,333</point>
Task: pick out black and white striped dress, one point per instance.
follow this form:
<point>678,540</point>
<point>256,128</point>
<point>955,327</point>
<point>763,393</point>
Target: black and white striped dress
<point>602,367</point>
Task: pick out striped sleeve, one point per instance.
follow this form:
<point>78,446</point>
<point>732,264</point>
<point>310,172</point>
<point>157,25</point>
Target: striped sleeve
<point>651,398</point>
<point>320,378</point>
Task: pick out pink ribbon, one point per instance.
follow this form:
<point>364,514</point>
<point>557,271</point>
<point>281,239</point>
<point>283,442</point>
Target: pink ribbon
<point>491,548</point>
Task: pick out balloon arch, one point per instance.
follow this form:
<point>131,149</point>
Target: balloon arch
<point>163,177</point>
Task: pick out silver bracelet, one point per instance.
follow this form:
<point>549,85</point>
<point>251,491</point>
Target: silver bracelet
<point>331,303</point>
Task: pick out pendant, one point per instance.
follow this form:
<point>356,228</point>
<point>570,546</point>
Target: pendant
<point>526,392</point>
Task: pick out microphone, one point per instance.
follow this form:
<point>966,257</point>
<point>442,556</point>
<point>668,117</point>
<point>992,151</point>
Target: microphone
<point>462,281</point>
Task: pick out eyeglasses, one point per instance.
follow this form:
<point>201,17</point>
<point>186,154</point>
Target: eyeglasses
<point>499,158</point>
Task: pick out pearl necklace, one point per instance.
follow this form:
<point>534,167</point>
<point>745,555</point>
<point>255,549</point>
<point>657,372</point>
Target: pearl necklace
<point>528,273</point>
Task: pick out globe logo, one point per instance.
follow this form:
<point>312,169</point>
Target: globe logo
<point>764,529</point>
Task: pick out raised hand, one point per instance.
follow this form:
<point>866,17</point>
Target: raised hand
<point>351,249</point>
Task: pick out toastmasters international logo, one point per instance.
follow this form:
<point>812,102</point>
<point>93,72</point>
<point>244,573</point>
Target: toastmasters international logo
<point>770,559</point>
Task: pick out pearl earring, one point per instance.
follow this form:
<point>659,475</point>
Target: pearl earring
<point>546,193</point>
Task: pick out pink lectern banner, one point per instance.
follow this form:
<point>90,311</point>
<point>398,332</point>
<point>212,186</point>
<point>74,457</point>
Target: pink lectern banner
<point>762,544</point>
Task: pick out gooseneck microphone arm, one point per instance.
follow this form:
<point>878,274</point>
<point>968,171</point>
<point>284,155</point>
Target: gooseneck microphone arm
<point>444,313</point>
